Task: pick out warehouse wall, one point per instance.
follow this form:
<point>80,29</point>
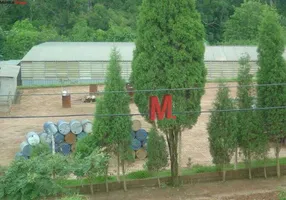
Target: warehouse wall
<point>46,73</point>
<point>8,86</point>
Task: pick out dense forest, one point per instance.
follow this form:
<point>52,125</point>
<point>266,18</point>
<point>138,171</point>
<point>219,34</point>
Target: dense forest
<point>229,22</point>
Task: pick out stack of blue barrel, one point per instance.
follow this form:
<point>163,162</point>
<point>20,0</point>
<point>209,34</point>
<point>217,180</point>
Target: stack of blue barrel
<point>139,140</point>
<point>65,135</point>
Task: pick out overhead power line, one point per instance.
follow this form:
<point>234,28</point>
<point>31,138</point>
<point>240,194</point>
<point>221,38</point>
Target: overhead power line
<point>157,90</point>
<point>144,114</point>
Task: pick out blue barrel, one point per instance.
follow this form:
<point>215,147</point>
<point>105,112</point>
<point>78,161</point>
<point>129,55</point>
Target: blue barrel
<point>65,148</point>
<point>135,144</point>
<point>26,148</point>
<point>57,147</point>
<point>20,155</point>
<point>133,134</point>
<point>59,138</point>
<point>75,126</point>
<point>141,135</point>
<point>81,135</point>
<point>63,127</point>
<point>33,138</point>
<point>45,138</point>
<point>86,126</point>
<point>50,128</point>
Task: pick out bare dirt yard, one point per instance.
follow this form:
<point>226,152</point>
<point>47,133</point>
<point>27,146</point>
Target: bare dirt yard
<point>194,145</point>
<point>13,131</point>
<point>258,189</point>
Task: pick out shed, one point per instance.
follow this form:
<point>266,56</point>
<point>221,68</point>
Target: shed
<point>8,86</point>
<point>86,62</point>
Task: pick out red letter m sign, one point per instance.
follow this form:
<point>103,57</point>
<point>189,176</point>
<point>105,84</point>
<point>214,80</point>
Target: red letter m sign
<point>162,111</point>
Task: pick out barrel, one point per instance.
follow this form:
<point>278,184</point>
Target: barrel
<point>92,88</point>
<point>63,127</point>
<point>141,135</point>
<point>59,138</point>
<point>26,148</point>
<point>20,155</point>
<point>135,144</point>
<point>65,148</point>
<point>33,138</point>
<point>45,138</point>
<point>57,147</point>
<point>141,154</point>
<point>86,126</point>
<point>136,125</point>
<point>50,128</point>
<point>81,135</point>
<point>133,133</point>
<point>66,100</point>
<point>70,138</point>
<point>75,126</point>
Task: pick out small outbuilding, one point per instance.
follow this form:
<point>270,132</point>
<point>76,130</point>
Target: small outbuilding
<point>8,86</point>
<point>86,62</point>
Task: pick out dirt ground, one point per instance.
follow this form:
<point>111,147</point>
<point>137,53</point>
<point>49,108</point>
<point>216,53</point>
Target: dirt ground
<point>258,189</point>
<point>195,145</point>
<point>194,141</point>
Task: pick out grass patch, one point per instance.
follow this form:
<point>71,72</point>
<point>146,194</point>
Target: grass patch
<point>195,169</point>
<point>74,197</point>
<point>139,175</point>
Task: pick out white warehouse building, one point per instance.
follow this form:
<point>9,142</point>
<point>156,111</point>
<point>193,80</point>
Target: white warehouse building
<point>86,62</point>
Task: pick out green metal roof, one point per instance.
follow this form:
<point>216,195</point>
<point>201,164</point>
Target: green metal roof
<point>100,51</point>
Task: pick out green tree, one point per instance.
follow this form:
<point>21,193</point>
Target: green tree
<point>32,178</point>
<point>169,55</point>
<point>243,25</point>
<point>157,153</point>
<point>81,32</point>
<point>222,129</point>
<point>272,69</point>
<point>92,166</point>
<point>251,139</point>
<point>116,129</point>
<point>22,37</point>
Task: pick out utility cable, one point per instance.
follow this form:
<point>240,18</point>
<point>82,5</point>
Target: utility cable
<point>158,90</point>
<point>143,114</point>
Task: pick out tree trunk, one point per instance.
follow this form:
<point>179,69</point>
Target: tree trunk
<point>235,159</point>
<point>173,150</point>
<point>123,175</point>
<point>158,179</point>
<point>91,188</point>
<point>223,173</point>
<point>180,154</point>
<point>277,151</point>
<point>264,166</point>
<point>249,166</point>
<point>118,167</point>
<point>106,178</point>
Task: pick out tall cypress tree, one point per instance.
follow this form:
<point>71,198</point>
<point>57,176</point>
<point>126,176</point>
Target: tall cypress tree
<point>251,139</point>
<point>170,54</point>
<point>222,129</point>
<point>272,69</point>
<point>114,131</point>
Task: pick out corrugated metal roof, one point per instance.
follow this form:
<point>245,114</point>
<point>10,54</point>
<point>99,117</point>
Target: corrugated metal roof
<point>100,51</point>
<point>10,62</point>
<point>9,71</point>
<point>78,51</point>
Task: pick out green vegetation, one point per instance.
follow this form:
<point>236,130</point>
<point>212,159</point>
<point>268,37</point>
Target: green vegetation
<point>114,132</point>
<point>157,153</point>
<point>222,129</point>
<point>272,70</point>
<point>243,26</point>
<point>160,58</point>
<point>251,141</point>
